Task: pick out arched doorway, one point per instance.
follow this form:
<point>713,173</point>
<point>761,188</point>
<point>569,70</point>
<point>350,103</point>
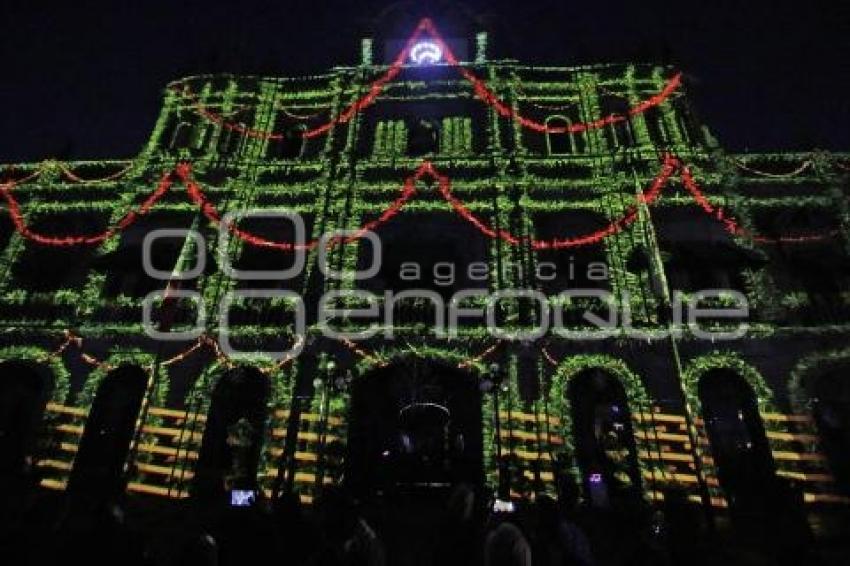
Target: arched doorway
<point>24,391</point>
<point>604,437</point>
<point>830,396</point>
<point>109,429</point>
<point>415,423</point>
<point>736,434</point>
<point>233,437</point>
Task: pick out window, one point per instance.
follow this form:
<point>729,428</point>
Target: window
<point>441,244</point>
<point>654,120</point>
<point>618,134</point>
<point>259,258</point>
<point>456,136</point>
<point>687,122</point>
<point>434,252</point>
<point>190,136</point>
<point>558,143</point>
<point>203,132</point>
<point>699,266</point>
<point>390,139</point>
<point>582,267</point>
<point>44,267</point>
<point>699,254</point>
<point>125,273</point>
<point>290,145</point>
<point>181,137</point>
<point>6,230</point>
<point>424,137</point>
<point>817,271</point>
<point>563,142</point>
<point>230,140</point>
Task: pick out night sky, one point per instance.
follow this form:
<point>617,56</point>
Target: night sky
<point>84,79</point>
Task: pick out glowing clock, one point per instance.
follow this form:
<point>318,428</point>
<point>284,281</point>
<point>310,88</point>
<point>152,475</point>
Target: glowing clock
<point>426,53</point>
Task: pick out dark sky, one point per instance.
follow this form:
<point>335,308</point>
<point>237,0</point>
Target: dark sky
<point>83,79</point>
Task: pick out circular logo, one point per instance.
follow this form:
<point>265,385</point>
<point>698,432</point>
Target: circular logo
<point>426,53</point>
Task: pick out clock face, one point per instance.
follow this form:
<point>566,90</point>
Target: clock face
<point>426,53</point>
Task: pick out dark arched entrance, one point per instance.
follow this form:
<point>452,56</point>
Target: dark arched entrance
<point>830,395</point>
<point>24,392</point>
<point>415,423</point>
<point>604,437</point>
<point>110,426</point>
<point>233,437</point>
<point>736,433</point>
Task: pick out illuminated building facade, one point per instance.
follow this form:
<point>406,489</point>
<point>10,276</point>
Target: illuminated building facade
<point>492,175</point>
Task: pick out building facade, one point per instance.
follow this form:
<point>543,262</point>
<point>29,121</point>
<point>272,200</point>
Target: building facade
<point>490,174</point>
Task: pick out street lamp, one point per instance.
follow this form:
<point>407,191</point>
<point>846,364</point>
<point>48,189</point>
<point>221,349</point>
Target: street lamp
<point>494,383</point>
<point>327,380</point>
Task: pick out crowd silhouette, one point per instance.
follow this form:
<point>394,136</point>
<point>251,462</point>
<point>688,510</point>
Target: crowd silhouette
<point>456,526</point>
